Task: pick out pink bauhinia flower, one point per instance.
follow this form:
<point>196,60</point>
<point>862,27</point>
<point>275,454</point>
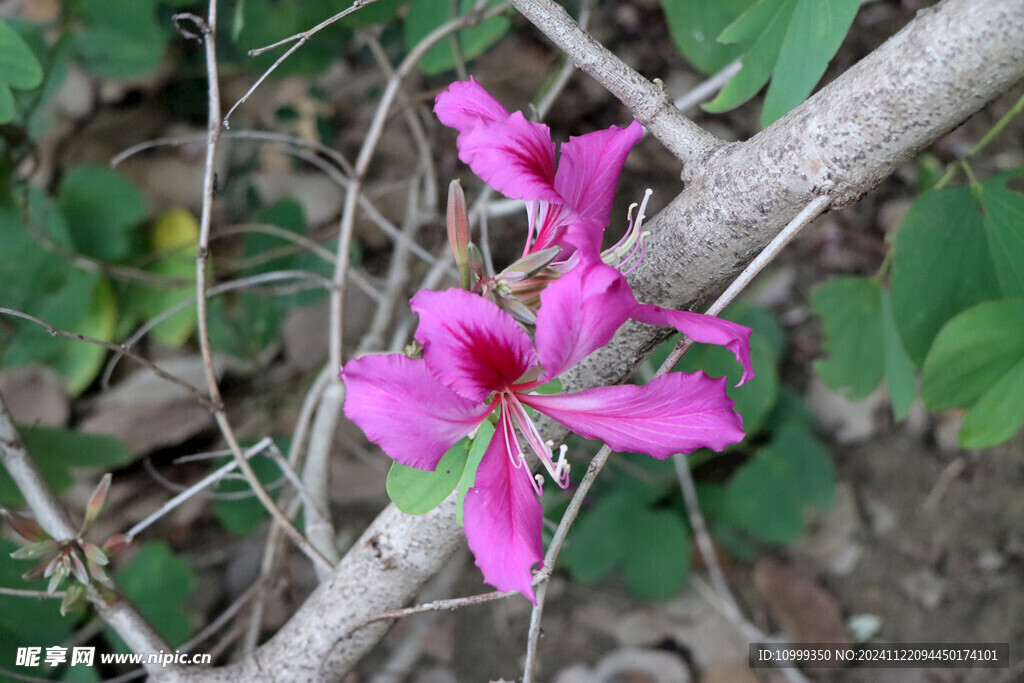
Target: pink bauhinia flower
<point>568,202</point>
<point>477,361</point>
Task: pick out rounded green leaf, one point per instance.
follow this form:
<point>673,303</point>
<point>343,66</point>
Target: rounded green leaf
<point>237,512</point>
<point>657,554</point>
<point>900,376</point>
<point>101,207</point>
<point>1004,225</point>
<point>19,67</point>
<point>999,412</point>
<point>941,266</point>
<point>769,493</point>
<point>426,15</point>
<point>850,309</point>
<point>597,541</point>
<point>158,582</point>
<point>119,38</point>
<point>416,491</point>
<point>481,440</point>
<point>973,352</point>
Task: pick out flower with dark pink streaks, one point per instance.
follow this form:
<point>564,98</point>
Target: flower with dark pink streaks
<point>478,362</point>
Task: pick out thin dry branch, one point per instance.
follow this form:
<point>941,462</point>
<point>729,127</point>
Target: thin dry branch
<point>208,30</point>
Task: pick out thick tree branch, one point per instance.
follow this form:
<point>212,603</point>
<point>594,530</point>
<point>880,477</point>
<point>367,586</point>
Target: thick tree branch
<point>944,66</point>
<point>940,69</point>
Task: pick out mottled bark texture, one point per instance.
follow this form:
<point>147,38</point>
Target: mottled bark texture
<point>944,66</point>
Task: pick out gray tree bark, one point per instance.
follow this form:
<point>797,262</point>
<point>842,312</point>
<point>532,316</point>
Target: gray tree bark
<point>945,65</point>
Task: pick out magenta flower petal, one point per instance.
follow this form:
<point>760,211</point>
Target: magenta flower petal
<point>465,103</point>
<point>675,413</point>
<point>579,313</point>
<point>503,519</point>
<point>515,156</point>
<point>588,172</point>
<point>706,329</point>
<point>403,409</point>
<point>469,344</point>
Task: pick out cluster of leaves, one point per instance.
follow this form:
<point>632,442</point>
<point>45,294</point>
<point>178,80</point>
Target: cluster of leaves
<point>638,519</point>
<point>953,312</point>
<point>80,567</point>
<point>790,42</point>
<point>154,578</point>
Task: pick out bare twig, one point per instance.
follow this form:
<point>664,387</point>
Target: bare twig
<point>37,595</point>
<point>116,348</point>
<point>707,89</point>
<point>204,483</point>
<point>299,39</point>
<point>450,605</point>
<point>208,30</point>
<point>406,654</point>
<point>813,210</point>
<point>125,348</point>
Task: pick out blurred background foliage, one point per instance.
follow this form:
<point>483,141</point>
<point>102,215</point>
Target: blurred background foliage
<point>109,253</point>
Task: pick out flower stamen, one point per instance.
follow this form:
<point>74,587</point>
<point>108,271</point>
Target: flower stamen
<point>632,241</point>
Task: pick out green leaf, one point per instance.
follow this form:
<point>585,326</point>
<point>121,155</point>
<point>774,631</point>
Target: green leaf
<point>942,265</point>
<point>101,207</point>
<point>900,376</point>
<point>789,41</point>
<point>19,69</point>
<point>481,441</point>
<point>42,284</point>
<point>415,491</point>
<point>597,541</point>
<point>759,32</point>
<point>426,15</point>
<point>159,583</point>
<point>657,555</point>
<point>55,451</point>
<point>80,362</point>
<point>694,24</point>
<point>972,353</point>
<point>264,23</point>
<point>261,248</point>
<point>767,496</point>
<point>241,515</point>
<point>238,20</point>
<point>76,449</point>
<point>850,309</point>
<point>119,38</point>
<point>244,326</point>
<point>1004,226</point>
<point>999,412</point>
<point>813,38</point>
